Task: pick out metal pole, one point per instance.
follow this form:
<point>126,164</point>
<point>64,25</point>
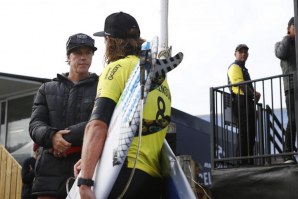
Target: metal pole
<point>212,127</point>
<point>164,50</point>
<point>296,73</point>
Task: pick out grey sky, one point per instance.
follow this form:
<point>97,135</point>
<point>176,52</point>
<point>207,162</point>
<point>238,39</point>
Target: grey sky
<point>34,33</point>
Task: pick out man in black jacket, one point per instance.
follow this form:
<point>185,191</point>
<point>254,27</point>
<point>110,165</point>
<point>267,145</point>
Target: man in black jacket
<point>285,51</point>
<point>60,113</point>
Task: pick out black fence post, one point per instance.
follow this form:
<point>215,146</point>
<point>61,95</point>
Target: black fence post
<point>212,126</point>
<point>296,73</point>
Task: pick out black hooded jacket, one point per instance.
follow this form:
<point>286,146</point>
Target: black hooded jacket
<point>59,104</point>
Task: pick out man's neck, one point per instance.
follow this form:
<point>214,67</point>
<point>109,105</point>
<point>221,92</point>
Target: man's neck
<point>76,77</point>
<point>240,63</point>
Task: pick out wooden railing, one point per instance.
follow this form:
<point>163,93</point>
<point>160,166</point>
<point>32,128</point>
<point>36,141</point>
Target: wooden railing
<point>10,176</point>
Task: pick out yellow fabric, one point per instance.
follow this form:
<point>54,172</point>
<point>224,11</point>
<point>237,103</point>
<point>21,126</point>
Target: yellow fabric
<point>158,103</point>
<point>114,76</point>
<point>235,75</point>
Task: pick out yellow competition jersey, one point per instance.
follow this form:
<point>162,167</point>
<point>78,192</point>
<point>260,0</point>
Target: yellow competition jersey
<point>157,108</point>
<point>235,75</point>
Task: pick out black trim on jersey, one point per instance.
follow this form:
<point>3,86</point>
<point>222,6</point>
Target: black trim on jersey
<point>103,109</point>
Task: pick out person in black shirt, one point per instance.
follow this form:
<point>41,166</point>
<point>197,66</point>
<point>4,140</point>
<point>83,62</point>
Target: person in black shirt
<point>285,51</point>
<point>28,175</point>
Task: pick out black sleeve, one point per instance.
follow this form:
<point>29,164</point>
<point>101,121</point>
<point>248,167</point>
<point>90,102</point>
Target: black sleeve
<point>39,128</point>
<point>282,48</point>
<point>75,137</point>
<point>103,109</point>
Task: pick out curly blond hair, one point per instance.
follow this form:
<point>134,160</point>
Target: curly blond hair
<point>117,48</point>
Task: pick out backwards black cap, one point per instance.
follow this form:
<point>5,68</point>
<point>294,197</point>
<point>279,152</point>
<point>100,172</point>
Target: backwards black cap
<point>118,24</point>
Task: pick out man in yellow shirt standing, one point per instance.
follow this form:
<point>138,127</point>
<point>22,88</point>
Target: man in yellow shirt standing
<point>123,45</point>
<point>244,99</point>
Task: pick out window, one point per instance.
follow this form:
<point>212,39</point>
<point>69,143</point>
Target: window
<point>18,141</point>
<point>2,119</point>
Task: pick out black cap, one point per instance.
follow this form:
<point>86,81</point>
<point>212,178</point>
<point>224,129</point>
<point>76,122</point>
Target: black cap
<point>79,40</point>
<point>240,46</point>
<point>118,24</point>
<point>291,22</point>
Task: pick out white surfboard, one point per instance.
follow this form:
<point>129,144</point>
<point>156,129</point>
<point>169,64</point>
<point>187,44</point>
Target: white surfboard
<point>125,121</point>
<point>176,183</point>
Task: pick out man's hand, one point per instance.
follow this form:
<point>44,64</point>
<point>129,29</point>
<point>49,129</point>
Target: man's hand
<point>77,168</point>
<point>59,144</point>
<point>30,168</point>
<point>257,96</point>
<point>292,32</point>
<point>86,192</point>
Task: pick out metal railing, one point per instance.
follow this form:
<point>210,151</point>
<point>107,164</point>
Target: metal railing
<point>270,118</point>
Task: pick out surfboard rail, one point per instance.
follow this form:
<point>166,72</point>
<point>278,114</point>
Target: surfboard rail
<point>176,183</point>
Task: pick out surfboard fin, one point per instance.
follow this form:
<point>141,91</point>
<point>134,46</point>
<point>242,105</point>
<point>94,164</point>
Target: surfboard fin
<point>163,66</point>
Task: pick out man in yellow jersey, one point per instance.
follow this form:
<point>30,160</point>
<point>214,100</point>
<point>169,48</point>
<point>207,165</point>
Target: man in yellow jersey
<point>123,46</point>
<point>244,99</point>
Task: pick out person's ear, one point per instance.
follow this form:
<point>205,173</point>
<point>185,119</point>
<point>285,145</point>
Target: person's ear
<point>68,59</point>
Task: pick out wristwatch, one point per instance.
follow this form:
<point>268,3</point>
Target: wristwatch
<point>87,182</point>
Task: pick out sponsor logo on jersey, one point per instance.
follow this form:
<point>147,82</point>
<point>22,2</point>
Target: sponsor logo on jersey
<point>111,73</point>
<point>165,90</point>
